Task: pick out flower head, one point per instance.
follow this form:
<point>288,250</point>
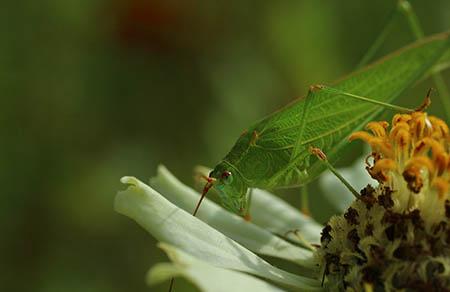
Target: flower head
<point>397,235</point>
<point>394,236</point>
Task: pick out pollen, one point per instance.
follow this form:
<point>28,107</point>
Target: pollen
<point>412,155</point>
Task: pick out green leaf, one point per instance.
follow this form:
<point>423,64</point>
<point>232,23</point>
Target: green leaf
<point>172,225</point>
<point>205,276</point>
<point>246,233</point>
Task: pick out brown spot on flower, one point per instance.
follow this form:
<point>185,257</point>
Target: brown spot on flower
<point>413,172</point>
<point>353,237</point>
<point>377,253</point>
<point>408,252</point>
<point>351,216</point>
<point>401,230</point>
<point>447,209</point>
<point>413,179</point>
<point>367,191</point>
<point>416,219</point>
<point>399,224</point>
<point>332,263</point>
<point>325,235</point>
<point>439,227</point>
<point>391,217</point>
<point>385,199</point>
<point>371,274</point>
<point>368,197</point>
<point>382,168</point>
<point>447,240</point>
<point>433,269</point>
<point>369,230</point>
<point>390,232</point>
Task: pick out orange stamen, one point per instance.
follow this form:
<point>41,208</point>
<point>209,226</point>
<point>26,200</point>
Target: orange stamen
<point>398,127</point>
<point>360,135</point>
<point>378,128</point>
<point>400,118</point>
<point>441,186</point>
<point>381,168</point>
<point>403,140</point>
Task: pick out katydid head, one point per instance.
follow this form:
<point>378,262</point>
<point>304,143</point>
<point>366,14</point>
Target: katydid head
<point>231,187</point>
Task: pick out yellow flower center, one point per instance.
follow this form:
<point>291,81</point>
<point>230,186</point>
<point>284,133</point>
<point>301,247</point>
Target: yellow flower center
<point>396,236</point>
<point>413,160</point>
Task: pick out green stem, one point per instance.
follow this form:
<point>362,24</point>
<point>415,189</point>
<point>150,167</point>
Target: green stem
<point>417,30</point>
<point>380,38</point>
<point>412,19</point>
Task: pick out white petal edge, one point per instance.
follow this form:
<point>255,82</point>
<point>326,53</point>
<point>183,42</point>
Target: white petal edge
<point>172,225</point>
<point>204,276</point>
<point>277,216</point>
<point>246,233</point>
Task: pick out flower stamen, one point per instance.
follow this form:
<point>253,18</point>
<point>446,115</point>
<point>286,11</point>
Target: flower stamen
<point>396,237</point>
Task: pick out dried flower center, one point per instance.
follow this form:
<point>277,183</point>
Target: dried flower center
<point>396,236</point>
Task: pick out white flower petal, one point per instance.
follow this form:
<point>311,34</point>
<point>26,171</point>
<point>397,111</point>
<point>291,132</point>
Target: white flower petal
<point>276,215</point>
<point>170,224</point>
<point>246,233</point>
<point>206,277</point>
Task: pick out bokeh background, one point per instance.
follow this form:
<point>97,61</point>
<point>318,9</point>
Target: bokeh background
<point>94,90</point>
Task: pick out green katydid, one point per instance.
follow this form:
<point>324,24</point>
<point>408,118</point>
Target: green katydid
<point>274,152</point>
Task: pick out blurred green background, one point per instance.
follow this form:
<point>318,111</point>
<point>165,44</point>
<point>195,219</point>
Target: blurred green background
<point>94,90</point>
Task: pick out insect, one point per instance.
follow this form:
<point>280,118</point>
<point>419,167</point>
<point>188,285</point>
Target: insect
<point>274,152</point>
<point>277,151</point>
<point>284,150</point>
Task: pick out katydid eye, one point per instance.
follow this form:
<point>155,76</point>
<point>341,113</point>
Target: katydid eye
<point>226,177</point>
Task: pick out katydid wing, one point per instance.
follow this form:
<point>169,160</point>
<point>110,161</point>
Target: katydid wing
<point>273,153</point>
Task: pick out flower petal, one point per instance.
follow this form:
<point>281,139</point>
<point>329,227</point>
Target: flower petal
<point>173,225</point>
<point>246,233</point>
<point>276,215</point>
<point>204,276</point>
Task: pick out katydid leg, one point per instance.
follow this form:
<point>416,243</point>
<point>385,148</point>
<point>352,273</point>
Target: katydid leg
<point>247,216</point>
<point>319,154</point>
